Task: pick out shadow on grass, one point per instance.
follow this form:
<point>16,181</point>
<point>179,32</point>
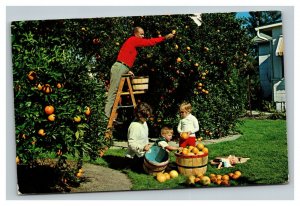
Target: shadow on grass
<point>123,163</point>
<point>38,179</point>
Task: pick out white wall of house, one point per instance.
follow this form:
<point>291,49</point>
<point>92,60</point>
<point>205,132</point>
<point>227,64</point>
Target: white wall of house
<point>271,68</point>
<point>265,70</point>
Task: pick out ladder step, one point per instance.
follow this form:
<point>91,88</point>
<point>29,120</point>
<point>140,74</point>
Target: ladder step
<point>135,92</point>
<point>128,106</point>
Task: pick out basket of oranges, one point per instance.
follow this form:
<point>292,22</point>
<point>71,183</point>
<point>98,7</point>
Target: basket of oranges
<point>192,160</point>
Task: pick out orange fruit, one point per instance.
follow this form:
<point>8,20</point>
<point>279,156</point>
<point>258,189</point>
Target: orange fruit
<point>218,182</point>
<point>225,182</point>
<point>213,179</point>
<point>78,174</point>
<point>51,117</point>
<point>87,111</point>
<point>235,177</point>
<point>31,75</point>
<point>200,146</point>
<point>219,177</point>
<point>238,173</point>
<point>17,160</point>
<point>47,88</point>
<point>200,174</point>
<point>185,151</point>
<point>49,109</point>
<point>173,174</point>
<point>77,119</point>
<point>205,180</point>
<point>212,175</point>
<point>59,85</point>
<point>230,174</point>
<point>200,153</point>
<point>40,87</point>
<point>197,179</point>
<point>41,132</point>
<point>184,135</point>
<point>161,178</point>
<point>205,150</point>
<point>167,176</point>
<point>195,150</point>
<point>225,177</point>
<point>191,180</point>
<point>178,60</point>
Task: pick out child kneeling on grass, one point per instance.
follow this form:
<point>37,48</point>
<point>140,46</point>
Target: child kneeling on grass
<point>166,136</point>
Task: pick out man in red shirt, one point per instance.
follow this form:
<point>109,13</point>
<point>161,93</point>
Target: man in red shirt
<point>125,61</point>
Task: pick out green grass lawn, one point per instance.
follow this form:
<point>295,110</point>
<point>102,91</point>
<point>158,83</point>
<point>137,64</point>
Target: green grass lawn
<point>264,141</point>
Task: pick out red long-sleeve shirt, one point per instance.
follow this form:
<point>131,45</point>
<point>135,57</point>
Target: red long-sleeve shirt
<point>128,52</point>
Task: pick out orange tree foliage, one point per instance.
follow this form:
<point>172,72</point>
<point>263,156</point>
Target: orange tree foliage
<point>71,59</point>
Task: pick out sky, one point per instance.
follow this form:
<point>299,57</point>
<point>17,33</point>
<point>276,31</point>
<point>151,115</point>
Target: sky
<point>242,14</point>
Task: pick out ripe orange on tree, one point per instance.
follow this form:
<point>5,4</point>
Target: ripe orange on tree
<point>51,117</point>
<point>87,111</point>
<point>17,160</point>
<point>31,75</point>
<point>41,132</point>
<point>77,119</point>
<point>59,85</point>
<point>47,89</point>
<point>49,109</point>
<point>40,87</point>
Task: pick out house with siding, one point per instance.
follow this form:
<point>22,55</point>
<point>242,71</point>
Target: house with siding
<point>270,43</point>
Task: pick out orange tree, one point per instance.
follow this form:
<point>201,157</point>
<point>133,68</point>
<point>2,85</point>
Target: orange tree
<point>204,65</point>
<point>66,64</point>
<point>58,99</point>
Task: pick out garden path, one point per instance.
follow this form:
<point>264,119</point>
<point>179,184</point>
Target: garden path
<point>102,179</point>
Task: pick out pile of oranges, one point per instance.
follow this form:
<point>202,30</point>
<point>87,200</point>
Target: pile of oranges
<point>225,179</point>
<point>199,149</point>
<point>217,179</point>
<point>162,177</point>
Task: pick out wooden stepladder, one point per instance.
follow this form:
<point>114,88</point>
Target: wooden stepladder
<point>120,92</point>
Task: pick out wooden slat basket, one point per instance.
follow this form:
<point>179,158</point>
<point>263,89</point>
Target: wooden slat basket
<point>156,160</point>
<point>192,165</point>
<point>140,83</point>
